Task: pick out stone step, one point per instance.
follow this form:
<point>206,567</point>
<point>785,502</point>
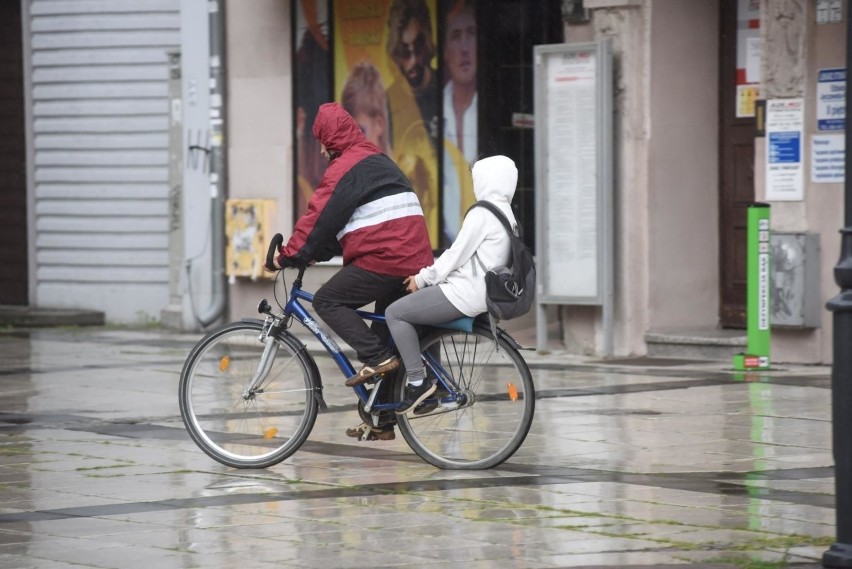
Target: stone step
<point>705,344</point>
<point>33,317</point>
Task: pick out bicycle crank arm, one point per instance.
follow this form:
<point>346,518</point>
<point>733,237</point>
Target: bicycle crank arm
<point>375,391</point>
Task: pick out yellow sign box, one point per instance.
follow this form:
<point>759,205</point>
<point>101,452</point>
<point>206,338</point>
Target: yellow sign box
<point>248,228</point>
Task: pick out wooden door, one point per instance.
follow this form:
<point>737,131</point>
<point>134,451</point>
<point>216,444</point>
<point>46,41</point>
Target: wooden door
<point>736,177</point>
<point>13,188</point>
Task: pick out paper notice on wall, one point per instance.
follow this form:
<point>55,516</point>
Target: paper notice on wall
<point>752,60</point>
<point>571,217</point>
<point>831,99</point>
<point>747,96</point>
<point>784,169</point>
<point>828,158</point>
<point>747,57</point>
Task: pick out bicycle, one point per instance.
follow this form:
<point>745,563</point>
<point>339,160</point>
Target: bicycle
<point>250,391</point>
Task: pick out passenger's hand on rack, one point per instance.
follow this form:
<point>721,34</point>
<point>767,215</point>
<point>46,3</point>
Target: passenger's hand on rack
<point>410,284</point>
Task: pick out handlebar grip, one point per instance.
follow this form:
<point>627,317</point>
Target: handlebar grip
<point>277,240</point>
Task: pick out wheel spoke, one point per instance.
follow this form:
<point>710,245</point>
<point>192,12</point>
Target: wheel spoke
<point>490,426</point>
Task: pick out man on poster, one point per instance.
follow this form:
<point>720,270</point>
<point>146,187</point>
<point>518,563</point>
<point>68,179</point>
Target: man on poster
<point>460,91</point>
<point>413,102</point>
<point>411,47</point>
<point>460,113</point>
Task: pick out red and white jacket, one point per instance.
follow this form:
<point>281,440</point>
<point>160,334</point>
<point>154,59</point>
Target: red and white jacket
<point>364,202</point>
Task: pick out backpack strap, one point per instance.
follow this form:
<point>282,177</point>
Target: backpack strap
<point>502,217</point>
<point>497,213</point>
<point>478,261</point>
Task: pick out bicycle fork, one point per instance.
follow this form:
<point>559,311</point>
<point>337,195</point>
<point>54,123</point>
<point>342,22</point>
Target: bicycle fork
<point>270,350</point>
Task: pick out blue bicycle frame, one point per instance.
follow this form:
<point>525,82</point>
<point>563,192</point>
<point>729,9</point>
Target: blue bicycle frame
<point>294,309</point>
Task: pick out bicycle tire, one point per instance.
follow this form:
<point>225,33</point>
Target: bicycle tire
<point>240,430</point>
<point>492,424</point>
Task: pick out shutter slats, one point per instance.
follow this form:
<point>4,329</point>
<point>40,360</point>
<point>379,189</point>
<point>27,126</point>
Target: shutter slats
<point>100,123</point>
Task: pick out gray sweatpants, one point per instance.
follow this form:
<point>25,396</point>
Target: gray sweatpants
<point>425,306</point>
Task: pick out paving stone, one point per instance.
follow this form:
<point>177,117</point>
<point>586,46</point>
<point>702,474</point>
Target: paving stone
<point>628,466</point>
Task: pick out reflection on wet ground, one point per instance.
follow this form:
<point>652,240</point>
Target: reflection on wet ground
<point>625,465</point>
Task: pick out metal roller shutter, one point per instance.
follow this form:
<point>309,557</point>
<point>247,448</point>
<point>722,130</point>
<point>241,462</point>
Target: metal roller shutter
<point>100,136</point>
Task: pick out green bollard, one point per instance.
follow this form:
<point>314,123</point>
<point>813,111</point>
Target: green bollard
<point>758,261</point>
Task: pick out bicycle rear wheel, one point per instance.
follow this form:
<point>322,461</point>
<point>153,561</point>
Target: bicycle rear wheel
<point>240,428</point>
<point>493,421</point>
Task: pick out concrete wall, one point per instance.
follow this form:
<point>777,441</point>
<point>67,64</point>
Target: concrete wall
<point>666,166</point>
<point>789,35</point>
<point>625,23</point>
<point>827,48</point>
<point>260,121</point>
<point>683,165</point>
<point>193,273</point>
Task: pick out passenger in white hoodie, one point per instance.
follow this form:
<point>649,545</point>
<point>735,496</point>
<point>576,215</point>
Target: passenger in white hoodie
<point>459,277</point>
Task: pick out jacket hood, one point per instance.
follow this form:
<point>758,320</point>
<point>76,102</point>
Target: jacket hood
<point>495,179</point>
<point>336,129</point>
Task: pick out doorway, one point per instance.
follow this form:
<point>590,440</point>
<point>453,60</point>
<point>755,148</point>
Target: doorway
<point>736,155</point>
<point>14,278</point>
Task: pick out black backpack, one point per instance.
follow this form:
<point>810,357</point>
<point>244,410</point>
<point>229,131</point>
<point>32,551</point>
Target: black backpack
<point>510,289</point>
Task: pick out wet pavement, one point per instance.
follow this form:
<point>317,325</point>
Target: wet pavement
<point>629,463</point>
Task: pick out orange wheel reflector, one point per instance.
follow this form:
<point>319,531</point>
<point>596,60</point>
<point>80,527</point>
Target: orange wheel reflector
<point>270,432</point>
<point>224,362</point>
<point>513,391</point>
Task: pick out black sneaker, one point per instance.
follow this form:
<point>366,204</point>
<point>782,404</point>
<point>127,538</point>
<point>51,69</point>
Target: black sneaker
<point>414,395</point>
<point>429,406</point>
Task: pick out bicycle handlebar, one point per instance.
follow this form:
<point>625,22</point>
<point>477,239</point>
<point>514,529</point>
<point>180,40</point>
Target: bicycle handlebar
<point>277,240</point>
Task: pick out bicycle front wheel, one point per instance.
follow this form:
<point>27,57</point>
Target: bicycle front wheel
<point>241,426</point>
<point>492,421</point>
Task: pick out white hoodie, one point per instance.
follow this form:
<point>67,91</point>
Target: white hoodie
<point>460,276</point>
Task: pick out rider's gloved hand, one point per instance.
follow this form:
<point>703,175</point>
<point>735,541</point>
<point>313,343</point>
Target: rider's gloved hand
<point>286,262</point>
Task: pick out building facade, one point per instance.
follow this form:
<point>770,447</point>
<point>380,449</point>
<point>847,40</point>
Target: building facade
<point>718,104</point>
<point>690,157</point>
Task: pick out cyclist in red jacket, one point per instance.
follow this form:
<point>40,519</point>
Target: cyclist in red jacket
<point>366,208</point>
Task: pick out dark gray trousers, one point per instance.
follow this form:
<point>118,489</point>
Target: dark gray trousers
<point>351,288</point>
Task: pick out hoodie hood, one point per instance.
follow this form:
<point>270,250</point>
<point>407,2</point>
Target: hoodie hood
<point>495,179</point>
<point>335,129</point>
